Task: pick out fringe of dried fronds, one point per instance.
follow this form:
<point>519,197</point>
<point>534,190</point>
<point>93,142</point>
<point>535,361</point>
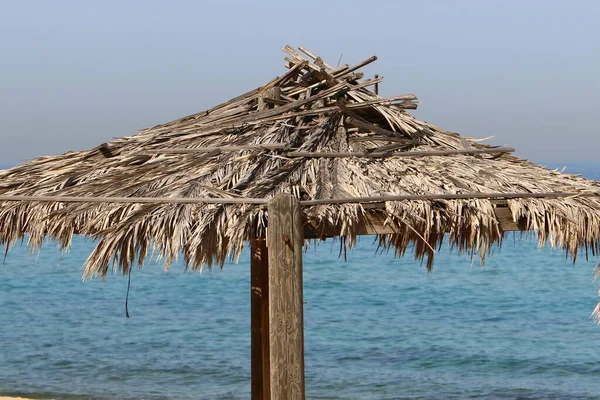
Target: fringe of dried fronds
<point>312,112</point>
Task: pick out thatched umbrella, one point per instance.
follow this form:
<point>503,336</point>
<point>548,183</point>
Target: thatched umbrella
<point>312,154</point>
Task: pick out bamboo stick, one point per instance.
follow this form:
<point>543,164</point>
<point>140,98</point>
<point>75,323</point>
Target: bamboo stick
<point>370,127</point>
<point>383,102</point>
<point>348,200</point>
<point>375,154</point>
<point>266,146</point>
<point>315,57</point>
<point>403,154</point>
<point>134,200</point>
<point>359,85</point>
<point>447,196</point>
<point>352,106</point>
<point>340,69</point>
<point>357,66</point>
<point>290,73</point>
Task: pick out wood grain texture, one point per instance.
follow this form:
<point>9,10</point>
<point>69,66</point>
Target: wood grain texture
<point>133,200</point>
<point>259,308</point>
<point>286,320</point>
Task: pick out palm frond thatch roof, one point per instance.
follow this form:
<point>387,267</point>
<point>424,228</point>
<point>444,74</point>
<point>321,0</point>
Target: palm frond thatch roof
<point>317,132</point>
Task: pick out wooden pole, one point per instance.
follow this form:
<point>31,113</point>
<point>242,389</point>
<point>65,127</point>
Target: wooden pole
<point>259,310</point>
<point>259,147</point>
<point>244,200</point>
<point>398,154</point>
<point>286,321</point>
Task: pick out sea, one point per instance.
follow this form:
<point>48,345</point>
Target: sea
<point>376,327</point>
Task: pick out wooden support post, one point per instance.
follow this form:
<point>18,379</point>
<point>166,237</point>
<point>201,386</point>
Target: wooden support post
<point>285,239</point>
<point>259,310</point>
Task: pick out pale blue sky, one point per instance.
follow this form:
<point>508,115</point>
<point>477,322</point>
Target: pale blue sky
<point>77,73</point>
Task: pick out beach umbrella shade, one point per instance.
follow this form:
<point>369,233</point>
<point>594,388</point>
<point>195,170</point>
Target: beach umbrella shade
<point>313,154</point>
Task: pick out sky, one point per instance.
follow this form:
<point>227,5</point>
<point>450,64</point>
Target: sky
<point>74,74</point>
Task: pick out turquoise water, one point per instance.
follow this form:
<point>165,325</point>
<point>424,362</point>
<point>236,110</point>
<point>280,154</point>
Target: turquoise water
<point>376,327</point>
